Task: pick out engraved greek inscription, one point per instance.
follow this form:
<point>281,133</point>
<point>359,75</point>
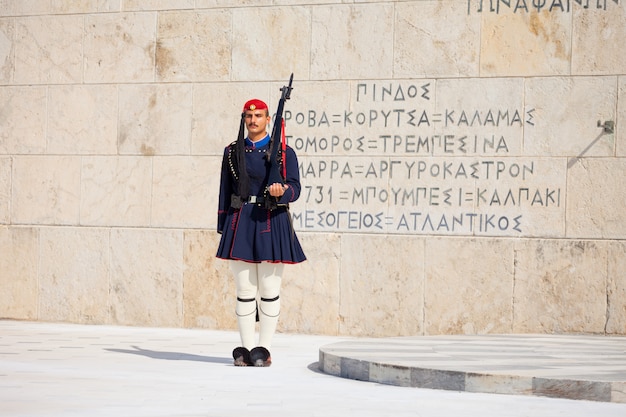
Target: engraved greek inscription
<point>530,115</point>
<point>526,6</point>
<point>318,194</point>
<point>489,118</point>
<point>409,116</point>
<point>394,164</point>
<point>410,222</point>
<point>332,144</point>
<point>446,143</point>
<point>522,196</point>
<point>375,92</point>
<point>420,169</point>
<point>461,222</point>
<point>330,220</point>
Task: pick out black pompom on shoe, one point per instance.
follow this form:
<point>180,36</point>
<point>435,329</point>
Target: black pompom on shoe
<point>259,356</point>
<point>241,355</point>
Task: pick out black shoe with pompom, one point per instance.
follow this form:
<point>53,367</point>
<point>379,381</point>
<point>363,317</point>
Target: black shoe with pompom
<point>241,355</point>
<point>259,356</point>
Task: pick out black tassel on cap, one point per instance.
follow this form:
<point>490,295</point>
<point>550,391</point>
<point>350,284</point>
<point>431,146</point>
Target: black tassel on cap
<point>240,150</point>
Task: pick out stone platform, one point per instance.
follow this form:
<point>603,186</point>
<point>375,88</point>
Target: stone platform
<point>574,367</point>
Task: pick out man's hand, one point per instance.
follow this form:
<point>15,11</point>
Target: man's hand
<point>277,190</point>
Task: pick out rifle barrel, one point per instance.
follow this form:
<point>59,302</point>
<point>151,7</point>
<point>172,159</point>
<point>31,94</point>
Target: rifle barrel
<point>275,168</point>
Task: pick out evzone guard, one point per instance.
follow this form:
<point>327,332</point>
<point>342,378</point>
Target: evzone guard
<point>259,179</point>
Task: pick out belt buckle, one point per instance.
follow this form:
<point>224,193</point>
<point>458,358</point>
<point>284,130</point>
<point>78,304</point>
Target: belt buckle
<point>252,199</point>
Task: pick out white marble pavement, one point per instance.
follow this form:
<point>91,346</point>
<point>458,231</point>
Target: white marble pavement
<point>75,370</point>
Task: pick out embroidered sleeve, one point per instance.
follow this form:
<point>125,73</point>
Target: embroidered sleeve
<point>293,177</point>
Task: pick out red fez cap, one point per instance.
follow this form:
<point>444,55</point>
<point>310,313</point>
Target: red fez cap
<point>254,104</point>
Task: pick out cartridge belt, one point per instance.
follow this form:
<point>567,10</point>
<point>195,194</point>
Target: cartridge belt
<point>236,202</point>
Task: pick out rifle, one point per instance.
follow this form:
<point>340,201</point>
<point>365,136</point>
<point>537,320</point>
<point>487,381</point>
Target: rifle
<point>277,140</point>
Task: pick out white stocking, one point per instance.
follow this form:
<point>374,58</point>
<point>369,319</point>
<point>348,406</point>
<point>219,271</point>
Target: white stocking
<point>269,306</point>
<point>247,287</point>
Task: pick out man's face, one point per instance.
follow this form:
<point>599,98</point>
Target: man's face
<point>256,122</point>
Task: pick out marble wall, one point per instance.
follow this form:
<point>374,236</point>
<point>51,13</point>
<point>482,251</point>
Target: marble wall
<point>462,161</point>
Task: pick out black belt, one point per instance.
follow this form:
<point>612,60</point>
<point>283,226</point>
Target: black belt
<point>236,202</point>
<point>253,199</point>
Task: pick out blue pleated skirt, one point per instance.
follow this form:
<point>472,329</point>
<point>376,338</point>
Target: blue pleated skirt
<point>255,234</point>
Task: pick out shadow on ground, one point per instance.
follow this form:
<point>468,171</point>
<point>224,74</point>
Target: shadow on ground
<point>172,356</point>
